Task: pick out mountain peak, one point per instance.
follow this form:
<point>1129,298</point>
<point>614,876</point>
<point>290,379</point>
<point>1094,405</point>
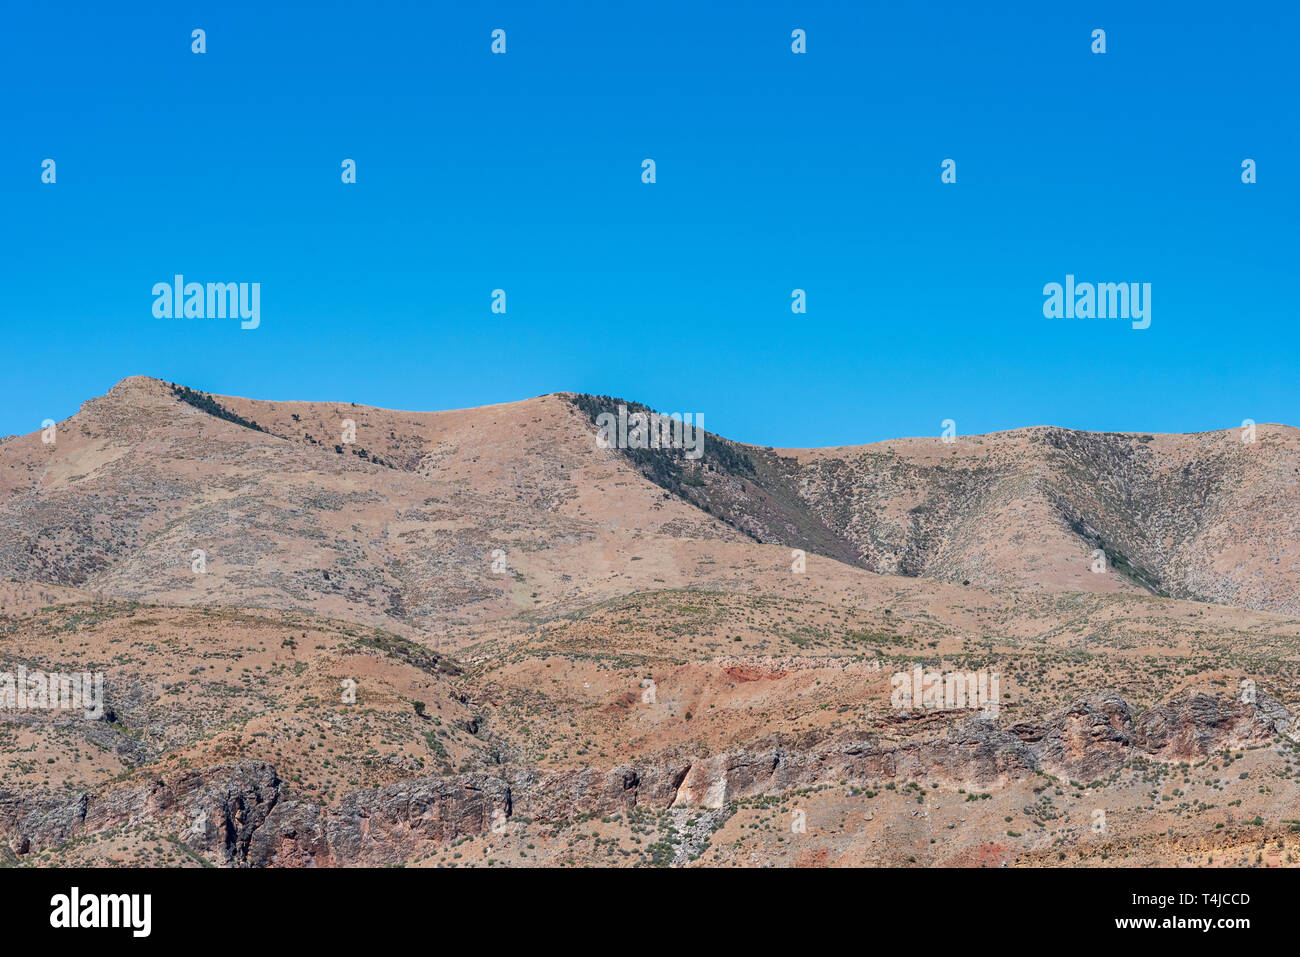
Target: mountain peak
<point>139,384</point>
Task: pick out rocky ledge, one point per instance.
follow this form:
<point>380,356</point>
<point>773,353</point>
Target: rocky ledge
<point>244,815</point>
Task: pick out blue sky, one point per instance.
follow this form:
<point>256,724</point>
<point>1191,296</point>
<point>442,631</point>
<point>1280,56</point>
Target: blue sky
<point>775,171</point>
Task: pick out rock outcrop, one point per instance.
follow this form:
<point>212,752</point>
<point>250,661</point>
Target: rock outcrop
<point>243,815</point>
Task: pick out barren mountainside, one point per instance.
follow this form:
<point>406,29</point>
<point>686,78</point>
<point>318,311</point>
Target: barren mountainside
<point>332,634</point>
<point>1201,516</point>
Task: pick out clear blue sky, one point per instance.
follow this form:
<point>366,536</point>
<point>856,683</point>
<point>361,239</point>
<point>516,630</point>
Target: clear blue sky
<point>775,171</point>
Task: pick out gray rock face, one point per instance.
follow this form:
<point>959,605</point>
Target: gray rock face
<point>1098,733</point>
<point>243,816</point>
<point>1092,737</point>
<point>1195,726</point>
<point>382,825</point>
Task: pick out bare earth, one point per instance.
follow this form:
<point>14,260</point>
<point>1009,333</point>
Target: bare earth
<point>476,638</point>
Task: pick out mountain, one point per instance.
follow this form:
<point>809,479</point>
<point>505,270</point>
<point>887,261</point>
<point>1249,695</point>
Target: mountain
<point>1206,516</point>
<point>400,521</point>
<point>565,653</point>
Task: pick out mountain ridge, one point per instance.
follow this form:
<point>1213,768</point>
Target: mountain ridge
<point>1187,515</point>
<point>565,653</point>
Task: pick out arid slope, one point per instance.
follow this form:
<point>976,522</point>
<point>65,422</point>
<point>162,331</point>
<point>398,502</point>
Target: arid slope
<point>340,635</point>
